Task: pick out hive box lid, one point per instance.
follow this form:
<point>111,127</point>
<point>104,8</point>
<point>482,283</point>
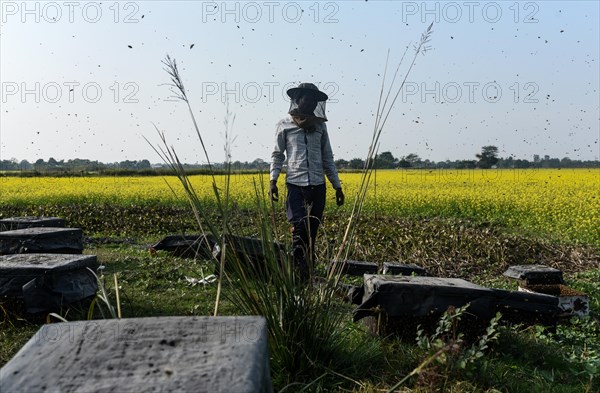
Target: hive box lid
<point>41,232</point>
<point>354,268</point>
<point>16,270</point>
<point>42,240</point>
<point>404,269</point>
<point>535,274</point>
<point>166,354</point>
<point>421,296</point>
<point>11,223</point>
<point>44,262</point>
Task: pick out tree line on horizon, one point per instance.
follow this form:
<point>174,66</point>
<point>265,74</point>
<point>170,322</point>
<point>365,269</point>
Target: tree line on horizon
<point>486,159</point>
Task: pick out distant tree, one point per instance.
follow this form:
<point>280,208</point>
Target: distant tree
<point>127,164</point>
<point>506,162</point>
<point>144,164</point>
<point>24,165</point>
<point>341,163</point>
<point>413,159</point>
<point>488,157</point>
<point>566,162</point>
<point>522,164</point>
<point>8,165</point>
<point>403,163</point>
<point>356,163</point>
<point>39,165</point>
<point>466,164</point>
<point>428,164</point>
<point>385,160</point>
<point>259,163</point>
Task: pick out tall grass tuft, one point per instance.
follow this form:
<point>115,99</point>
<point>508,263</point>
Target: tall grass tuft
<point>101,300</point>
<point>384,108</point>
<point>310,340</point>
<point>309,335</point>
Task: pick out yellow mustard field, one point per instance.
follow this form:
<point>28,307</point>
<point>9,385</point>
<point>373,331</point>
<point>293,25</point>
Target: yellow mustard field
<point>564,203</point>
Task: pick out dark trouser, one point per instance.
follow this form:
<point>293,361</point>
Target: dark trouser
<point>305,207</point>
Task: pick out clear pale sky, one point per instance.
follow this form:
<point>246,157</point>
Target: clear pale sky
<point>85,79</point>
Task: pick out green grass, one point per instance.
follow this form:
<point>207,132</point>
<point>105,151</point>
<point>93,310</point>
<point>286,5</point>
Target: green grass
<point>13,335</point>
<point>155,285</point>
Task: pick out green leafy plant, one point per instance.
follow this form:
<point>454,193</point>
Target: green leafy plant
<point>112,312</point>
<point>580,338</point>
<point>447,351</point>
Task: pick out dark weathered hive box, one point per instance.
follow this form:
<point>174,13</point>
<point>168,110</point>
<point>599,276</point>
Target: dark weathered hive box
<point>47,281</point>
<point>168,354</point>
<point>12,223</point>
<point>570,301</point>
<point>42,240</point>
<point>397,304</point>
<point>421,296</point>
<point>403,269</point>
<point>187,246</point>
<point>534,274</point>
<point>251,252</point>
<point>354,268</point>
<point>545,280</point>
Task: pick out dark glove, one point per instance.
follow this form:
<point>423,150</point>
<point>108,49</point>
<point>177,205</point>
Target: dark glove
<point>273,191</point>
<point>339,197</point>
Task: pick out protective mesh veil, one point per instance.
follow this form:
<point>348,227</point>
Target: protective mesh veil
<point>318,113</point>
